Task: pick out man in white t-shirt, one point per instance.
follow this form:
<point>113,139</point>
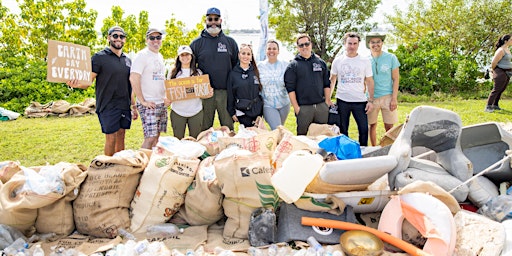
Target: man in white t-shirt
<point>354,76</point>
<point>147,76</point>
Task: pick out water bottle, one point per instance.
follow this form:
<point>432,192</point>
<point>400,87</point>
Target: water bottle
<point>38,251</point>
<point>315,245</point>
<point>20,245</point>
<point>253,251</point>
<point>126,234</point>
<point>163,230</point>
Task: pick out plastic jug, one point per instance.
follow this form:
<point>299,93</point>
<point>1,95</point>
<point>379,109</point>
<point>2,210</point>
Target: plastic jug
<point>297,171</point>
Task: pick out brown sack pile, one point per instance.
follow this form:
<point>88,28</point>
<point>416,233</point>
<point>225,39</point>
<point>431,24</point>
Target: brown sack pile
<point>102,205</point>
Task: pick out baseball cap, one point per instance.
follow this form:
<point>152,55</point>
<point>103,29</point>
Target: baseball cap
<point>153,30</point>
<point>116,28</point>
<point>184,49</point>
<point>371,35</point>
<point>213,10</point>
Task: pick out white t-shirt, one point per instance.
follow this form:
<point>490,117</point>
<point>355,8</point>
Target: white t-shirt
<point>190,107</point>
<point>150,66</point>
<point>351,72</point>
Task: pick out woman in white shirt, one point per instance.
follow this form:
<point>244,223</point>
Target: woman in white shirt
<point>186,112</point>
<point>276,103</point>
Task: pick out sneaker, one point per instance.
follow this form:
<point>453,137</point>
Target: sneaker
<point>496,107</point>
<point>489,109</point>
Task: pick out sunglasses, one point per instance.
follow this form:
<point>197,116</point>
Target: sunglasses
<point>155,37</point>
<point>213,19</point>
<point>304,44</point>
<point>116,36</point>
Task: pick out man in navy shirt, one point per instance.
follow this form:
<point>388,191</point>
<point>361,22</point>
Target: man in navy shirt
<point>114,103</point>
<point>307,81</point>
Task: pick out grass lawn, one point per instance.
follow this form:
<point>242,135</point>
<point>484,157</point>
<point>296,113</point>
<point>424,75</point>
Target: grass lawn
<point>40,141</point>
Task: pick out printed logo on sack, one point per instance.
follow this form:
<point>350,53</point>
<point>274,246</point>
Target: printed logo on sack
<point>323,231</point>
<point>245,172</point>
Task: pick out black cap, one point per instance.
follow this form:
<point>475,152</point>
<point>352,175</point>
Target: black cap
<point>116,28</point>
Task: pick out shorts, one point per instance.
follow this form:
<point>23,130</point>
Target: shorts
<point>382,104</point>
<point>111,120</point>
<point>154,121</point>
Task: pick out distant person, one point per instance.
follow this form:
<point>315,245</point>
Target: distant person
<point>354,76</point>
<point>216,55</point>
<point>147,76</point>
<point>276,105</point>
<point>111,69</point>
<point>186,112</point>
<point>501,71</point>
<point>307,82</point>
<point>386,77</point>
<point>244,100</point>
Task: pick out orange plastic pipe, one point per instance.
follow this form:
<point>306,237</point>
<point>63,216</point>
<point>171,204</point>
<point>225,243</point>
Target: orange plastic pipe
<point>407,247</point>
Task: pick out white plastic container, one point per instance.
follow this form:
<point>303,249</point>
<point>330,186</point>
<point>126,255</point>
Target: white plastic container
<point>297,171</point>
<point>362,201</point>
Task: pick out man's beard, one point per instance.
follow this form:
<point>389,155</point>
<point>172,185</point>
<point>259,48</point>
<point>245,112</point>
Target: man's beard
<point>111,43</point>
<point>213,30</point>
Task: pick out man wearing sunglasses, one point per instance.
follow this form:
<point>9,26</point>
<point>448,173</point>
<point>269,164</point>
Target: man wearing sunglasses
<point>216,55</point>
<point>147,77</point>
<point>111,69</point>
<point>307,81</point>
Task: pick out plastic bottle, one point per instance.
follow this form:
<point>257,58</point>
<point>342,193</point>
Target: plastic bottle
<point>163,230</point>
<point>126,234</point>
<point>315,245</point>
<point>38,251</point>
<point>272,250</point>
<point>253,251</point>
<point>20,245</point>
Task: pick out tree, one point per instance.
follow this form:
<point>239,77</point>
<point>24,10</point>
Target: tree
<point>40,21</point>
<point>467,27</point>
<point>176,35</point>
<point>135,29</point>
<point>324,21</point>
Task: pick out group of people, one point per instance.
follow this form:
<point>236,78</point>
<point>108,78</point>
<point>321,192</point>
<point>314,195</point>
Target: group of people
<point>243,89</point>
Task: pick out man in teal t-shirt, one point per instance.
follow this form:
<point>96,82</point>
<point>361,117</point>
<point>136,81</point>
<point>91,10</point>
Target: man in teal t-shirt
<point>386,79</point>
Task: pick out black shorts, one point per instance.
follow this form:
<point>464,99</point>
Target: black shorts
<point>112,120</point>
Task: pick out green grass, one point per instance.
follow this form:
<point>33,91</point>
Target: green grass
<point>40,141</point>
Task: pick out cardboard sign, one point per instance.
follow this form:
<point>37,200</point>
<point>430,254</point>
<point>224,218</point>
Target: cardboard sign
<point>188,88</point>
<point>67,61</point>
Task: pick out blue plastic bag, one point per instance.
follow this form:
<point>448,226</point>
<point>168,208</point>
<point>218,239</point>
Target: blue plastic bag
<point>342,146</point>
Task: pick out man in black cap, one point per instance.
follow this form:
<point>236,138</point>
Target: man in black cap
<point>147,77</point>
<point>216,55</point>
<point>111,69</point>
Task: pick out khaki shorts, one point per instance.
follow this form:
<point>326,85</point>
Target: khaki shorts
<point>382,104</point>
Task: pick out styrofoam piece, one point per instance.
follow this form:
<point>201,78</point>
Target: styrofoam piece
<point>362,201</point>
<point>357,171</point>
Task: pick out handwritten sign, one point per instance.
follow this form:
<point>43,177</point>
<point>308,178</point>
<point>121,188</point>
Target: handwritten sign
<point>67,61</point>
<point>188,88</point>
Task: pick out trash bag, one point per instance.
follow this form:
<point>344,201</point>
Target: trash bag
<point>342,146</point>
<point>263,227</point>
<point>498,208</point>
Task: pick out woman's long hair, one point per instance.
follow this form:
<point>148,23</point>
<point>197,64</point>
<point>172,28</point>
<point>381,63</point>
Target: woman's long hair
<point>177,67</point>
<point>502,40</point>
<point>253,64</point>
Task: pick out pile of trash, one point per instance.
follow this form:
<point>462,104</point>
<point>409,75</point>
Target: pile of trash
<point>263,192</point>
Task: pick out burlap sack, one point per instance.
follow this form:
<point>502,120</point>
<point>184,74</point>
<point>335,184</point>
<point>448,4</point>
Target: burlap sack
<point>19,203</point>
<point>58,217</point>
<point>390,136</point>
<point>102,205</point>
<point>288,144</point>
<point>210,139</point>
<point>319,186</point>
<point>265,142</point>
<point>245,183</point>
<point>203,201</point>
<point>8,169</point>
<point>323,129</point>
<point>162,188</point>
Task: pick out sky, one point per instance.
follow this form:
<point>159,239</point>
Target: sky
<point>237,14</point>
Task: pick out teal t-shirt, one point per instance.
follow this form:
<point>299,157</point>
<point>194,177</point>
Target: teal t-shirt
<point>382,67</point>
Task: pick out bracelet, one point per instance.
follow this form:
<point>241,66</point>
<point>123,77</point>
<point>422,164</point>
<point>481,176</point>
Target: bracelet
<point>371,101</point>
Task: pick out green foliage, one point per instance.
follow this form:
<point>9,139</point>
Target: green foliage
<point>177,35</point>
<point>465,27</point>
<point>23,80</point>
<point>135,29</point>
<point>324,21</point>
<point>429,66</point>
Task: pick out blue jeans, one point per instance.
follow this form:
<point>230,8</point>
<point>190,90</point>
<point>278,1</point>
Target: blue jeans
<point>358,110</point>
<point>276,116</point>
